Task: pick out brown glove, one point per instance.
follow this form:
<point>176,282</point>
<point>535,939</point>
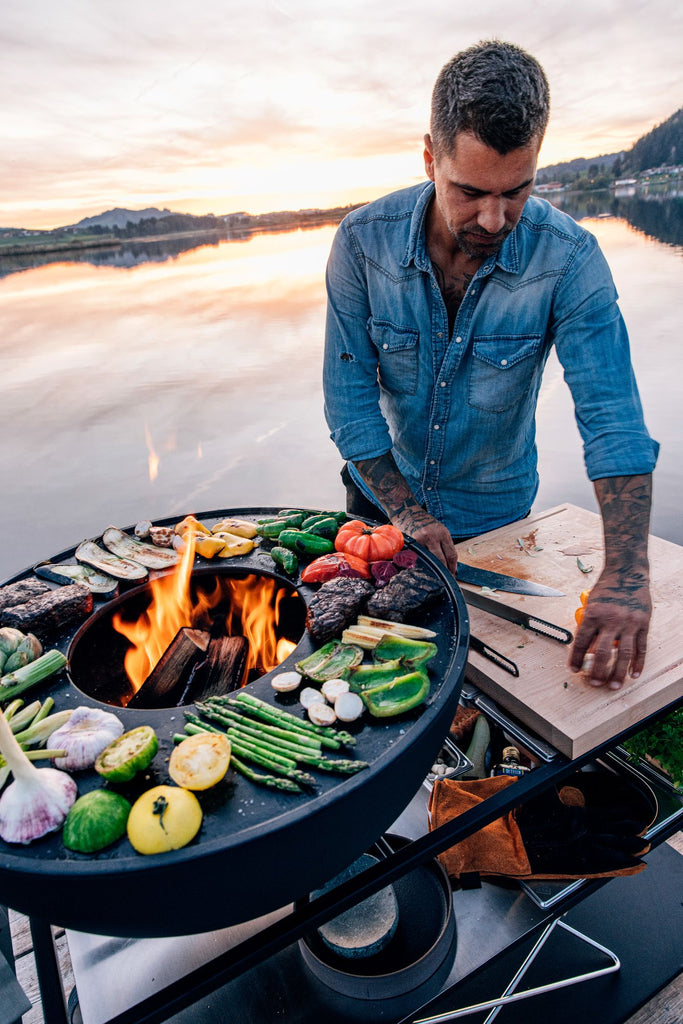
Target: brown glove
<point>590,828</point>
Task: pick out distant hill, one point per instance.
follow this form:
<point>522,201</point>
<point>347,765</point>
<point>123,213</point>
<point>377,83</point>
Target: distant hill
<point>660,147</point>
<point>572,168</point>
<point>663,146</point>
<point>118,218</point>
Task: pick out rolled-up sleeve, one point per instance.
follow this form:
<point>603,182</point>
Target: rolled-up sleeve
<point>593,347</point>
<point>350,384</point>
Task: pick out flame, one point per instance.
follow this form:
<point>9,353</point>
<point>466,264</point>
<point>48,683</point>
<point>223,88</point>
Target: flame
<point>253,612</point>
<point>152,458</point>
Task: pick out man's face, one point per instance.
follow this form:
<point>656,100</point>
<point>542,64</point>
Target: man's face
<point>479,193</point>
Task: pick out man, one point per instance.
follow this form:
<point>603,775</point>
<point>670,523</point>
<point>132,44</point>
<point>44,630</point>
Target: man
<point>444,300</point>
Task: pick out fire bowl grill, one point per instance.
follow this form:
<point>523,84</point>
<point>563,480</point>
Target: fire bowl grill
<point>258,849</point>
<point>96,653</point>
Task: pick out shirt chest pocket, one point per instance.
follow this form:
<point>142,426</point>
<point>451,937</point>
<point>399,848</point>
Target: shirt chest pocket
<point>397,356</point>
<point>502,370</point>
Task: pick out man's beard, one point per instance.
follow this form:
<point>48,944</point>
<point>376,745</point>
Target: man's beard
<point>480,245</point>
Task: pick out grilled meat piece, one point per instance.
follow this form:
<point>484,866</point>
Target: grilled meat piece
<point>49,612</point>
<point>22,591</point>
<point>336,605</point>
<point>406,596</point>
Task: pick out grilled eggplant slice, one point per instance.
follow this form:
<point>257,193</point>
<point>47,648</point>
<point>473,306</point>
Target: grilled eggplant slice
<point>106,561</point>
<point>99,583</point>
<point>125,546</point>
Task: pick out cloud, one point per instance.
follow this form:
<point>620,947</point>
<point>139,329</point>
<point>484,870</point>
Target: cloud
<point>100,96</point>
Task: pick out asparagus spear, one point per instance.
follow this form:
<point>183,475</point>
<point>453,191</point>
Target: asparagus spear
<point>272,781</point>
<point>261,709</point>
<point>303,755</point>
<point>280,765</point>
<point>226,716</point>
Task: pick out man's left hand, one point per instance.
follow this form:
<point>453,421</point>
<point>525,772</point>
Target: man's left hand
<point>614,629</point>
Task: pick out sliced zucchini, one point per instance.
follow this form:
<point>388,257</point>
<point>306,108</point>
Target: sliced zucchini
<point>99,583</point>
<point>125,546</point>
<point>106,561</point>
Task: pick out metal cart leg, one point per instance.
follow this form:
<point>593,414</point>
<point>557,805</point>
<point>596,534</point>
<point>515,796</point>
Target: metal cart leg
<point>511,996</point>
<point>47,969</point>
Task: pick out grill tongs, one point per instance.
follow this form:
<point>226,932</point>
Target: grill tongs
<point>503,611</point>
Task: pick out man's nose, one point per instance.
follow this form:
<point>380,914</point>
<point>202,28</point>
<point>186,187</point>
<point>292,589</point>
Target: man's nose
<point>491,216</point>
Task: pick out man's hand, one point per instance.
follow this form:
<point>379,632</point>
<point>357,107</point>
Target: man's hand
<point>392,491</point>
<point>617,614</point>
<point>429,532</point>
<point>614,628</point>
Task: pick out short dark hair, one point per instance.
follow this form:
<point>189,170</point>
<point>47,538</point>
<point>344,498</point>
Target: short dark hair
<point>496,92</point>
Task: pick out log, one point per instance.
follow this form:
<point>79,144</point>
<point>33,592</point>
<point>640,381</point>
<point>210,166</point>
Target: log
<point>165,683</point>
<point>223,671</point>
<point>20,592</point>
<point>50,611</point>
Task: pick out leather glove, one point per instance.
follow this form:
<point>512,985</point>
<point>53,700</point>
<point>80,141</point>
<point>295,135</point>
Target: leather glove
<point>589,827</point>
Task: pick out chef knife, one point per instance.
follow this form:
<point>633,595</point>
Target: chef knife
<point>503,611</point>
<point>499,581</point>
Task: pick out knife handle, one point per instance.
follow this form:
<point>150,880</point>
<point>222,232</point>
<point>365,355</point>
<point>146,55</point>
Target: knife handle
<point>548,629</point>
<point>495,656</point>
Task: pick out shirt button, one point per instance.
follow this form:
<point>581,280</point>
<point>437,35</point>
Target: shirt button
<point>442,384</point>
<point>458,340</point>
<point>385,346</point>
<point>503,362</point>
<point>432,462</point>
<point>437,427</point>
<point>439,334</point>
<point>429,488</point>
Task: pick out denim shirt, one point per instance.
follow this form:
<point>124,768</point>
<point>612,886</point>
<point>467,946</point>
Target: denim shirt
<point>458,411</point>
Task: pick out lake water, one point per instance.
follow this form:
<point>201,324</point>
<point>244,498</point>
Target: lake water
<point>172,382</point>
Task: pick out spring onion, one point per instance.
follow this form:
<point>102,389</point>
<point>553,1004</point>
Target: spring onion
<point>30,675</point>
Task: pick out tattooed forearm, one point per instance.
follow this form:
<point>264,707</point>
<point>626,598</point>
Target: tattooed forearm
<point>391,489</point>
<point>625,506</point>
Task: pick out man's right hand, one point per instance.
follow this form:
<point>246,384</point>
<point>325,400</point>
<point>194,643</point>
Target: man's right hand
<point>391,490</point>
<point>428,531</point>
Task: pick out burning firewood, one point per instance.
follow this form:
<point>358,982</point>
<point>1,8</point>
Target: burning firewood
<point>223,671</point>
<point>164,685</point>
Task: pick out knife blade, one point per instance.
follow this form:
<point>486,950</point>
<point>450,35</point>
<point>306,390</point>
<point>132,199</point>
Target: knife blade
<point>499,581</point>
<point>520,618</point>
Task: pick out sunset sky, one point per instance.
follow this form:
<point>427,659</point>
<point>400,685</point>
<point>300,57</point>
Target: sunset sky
<point>220,105</point>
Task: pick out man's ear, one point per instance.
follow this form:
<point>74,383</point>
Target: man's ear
<point>429,156</point>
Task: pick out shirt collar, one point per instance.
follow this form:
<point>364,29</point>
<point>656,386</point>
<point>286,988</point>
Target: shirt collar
<point>507,258</point>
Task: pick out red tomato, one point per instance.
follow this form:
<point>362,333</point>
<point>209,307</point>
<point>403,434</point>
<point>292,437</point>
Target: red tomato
<point>372,543</point>
<point>336,564</point>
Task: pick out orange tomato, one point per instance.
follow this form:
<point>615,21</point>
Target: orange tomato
<point>371,543</point>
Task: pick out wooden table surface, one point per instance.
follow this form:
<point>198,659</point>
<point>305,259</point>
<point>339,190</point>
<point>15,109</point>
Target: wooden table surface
<point>558,705</point>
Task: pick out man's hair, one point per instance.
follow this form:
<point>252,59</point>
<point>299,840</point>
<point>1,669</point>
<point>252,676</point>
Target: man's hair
<point>496,92</point>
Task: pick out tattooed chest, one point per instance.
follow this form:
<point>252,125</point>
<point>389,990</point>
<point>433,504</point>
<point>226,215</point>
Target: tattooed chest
<point>452,286</point>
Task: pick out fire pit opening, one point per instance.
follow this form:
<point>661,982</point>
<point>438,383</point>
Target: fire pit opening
<point>157,646</point>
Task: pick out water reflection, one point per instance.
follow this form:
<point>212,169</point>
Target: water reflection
<point>658,215</point>
<point>194,383</point>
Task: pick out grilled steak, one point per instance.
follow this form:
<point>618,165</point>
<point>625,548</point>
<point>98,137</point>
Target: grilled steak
<point>22,591</point>
<point>336,605</point>
<point>406,596</point>
<point>49,612</point>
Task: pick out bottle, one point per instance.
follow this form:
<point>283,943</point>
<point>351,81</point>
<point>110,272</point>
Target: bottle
<point>510,763</point>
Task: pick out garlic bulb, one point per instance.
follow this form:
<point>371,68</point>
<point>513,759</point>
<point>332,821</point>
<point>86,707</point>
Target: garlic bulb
<point>84,736</point>
<point>37,801</point>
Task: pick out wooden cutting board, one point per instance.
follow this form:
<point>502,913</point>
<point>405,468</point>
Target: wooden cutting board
<point>559,705</point>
